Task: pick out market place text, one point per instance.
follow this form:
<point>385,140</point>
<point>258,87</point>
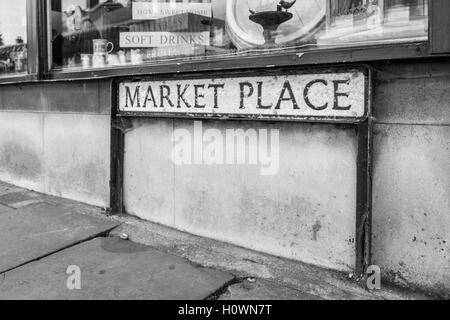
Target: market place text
<point>338,95</point>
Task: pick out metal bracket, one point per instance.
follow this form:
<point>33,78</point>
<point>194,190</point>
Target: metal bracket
<point>121,124</point>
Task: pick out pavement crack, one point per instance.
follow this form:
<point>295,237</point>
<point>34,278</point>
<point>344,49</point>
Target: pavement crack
<point>222,290</point>
<point>103,234</point>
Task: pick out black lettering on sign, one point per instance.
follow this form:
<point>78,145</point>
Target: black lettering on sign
<point>150,97</point>
<point>199,95</point>
<point>287,88</point>
<point>181,96</point>
<point>132,100</point>
<point>306,94</point>
<point>216,88</point>
<point>165,96</point>
<point>184,38</point>
<point>244,95</point>
<point>338,94</point>
<point>260,102</point>
<point>311,96</point>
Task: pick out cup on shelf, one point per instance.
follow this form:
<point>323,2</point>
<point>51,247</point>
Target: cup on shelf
<point>86,60</point>
<point>136,56</point>
<point>122,57</point>
<point>113,60</point>
<point>99,60</point>
<point>101,46</point>
<point>102,49</point>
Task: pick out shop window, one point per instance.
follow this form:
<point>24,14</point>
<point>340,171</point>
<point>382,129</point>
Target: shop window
<point>13,37</point>
<point>374,21</point>
<point>89,34</point>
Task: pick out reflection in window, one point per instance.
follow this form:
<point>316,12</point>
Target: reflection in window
<point>114,33</point>
<point>371,20</point>
<point>13,37</point>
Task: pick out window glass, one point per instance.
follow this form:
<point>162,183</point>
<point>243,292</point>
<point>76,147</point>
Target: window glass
<point>113,33</point>
<point>374,21</point>
<point>13,37</point>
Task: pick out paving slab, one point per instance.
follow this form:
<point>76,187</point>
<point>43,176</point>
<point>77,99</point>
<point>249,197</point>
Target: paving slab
<point>113,269</point>
<point>264,290</point>
<point>20,199</point>
<point>313,280</point>
<point>38,230</point>
<point>6,188</point>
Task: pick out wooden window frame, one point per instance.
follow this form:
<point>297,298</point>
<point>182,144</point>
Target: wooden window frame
<point>439,29</point>
<point>437,45</point>
<point>33,47</point>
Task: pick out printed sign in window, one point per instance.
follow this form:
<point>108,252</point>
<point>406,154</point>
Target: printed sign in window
<point>162,39</point>
<point>157,10</point>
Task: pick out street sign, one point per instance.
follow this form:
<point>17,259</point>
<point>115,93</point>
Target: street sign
<point>332,95</point>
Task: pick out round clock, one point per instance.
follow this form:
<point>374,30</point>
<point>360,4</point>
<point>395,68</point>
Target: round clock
<point>256,23</point>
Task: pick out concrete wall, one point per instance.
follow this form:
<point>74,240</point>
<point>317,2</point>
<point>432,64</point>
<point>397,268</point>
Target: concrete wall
<point>411,194</point>
<point>306,211</point>
<point>56,140</point>
<point>411,204</point>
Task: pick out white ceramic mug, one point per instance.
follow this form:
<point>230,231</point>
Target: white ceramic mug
<point>101,46</point>
<point>86,60</point>
<point>113,60</point>
<point>136,56</point>
<point>99,60</point>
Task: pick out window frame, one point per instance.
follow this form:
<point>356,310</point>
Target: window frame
<point>39,66</point>
<point>439,26</point>
<point>32,47</point>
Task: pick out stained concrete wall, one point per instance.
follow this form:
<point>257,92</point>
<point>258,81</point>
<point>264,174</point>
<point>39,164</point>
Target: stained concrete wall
<point>411,205</point>
<point>411,187</point>
<point>306,211</point>
<point>55,139</point>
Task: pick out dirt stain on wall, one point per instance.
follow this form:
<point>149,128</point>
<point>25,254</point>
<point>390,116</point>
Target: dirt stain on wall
<point>19,161</point>
<point>316,228</point>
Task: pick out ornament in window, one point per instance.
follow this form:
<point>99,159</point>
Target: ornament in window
<point>268,23</point>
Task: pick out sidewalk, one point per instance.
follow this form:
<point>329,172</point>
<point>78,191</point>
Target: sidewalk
<point>42,236</point>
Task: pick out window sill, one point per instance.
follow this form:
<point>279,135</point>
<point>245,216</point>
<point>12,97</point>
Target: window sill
<point>277,59</point>
<point>362,54</point>
<point>18,78</point>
